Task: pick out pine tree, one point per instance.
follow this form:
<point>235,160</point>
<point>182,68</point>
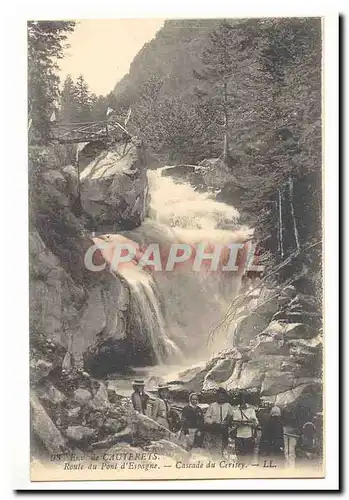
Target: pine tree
<point>69,108</point>
<point>83,98</point>
<point>45,46</point>
<point>221,70</point>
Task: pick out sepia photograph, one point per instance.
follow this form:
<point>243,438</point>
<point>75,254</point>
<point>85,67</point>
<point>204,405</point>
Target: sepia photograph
<point>176,267</point>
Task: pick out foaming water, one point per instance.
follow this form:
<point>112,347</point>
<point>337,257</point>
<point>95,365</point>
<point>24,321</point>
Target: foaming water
<point>177,204</point>
<point>147,315</point>
<point>192,302</point>
<point>174,312</point>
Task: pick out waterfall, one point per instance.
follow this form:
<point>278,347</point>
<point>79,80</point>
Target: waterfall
<point>147,317</point>
<point>178,204</point>
<point>193,302</point>
<point>171,313</point>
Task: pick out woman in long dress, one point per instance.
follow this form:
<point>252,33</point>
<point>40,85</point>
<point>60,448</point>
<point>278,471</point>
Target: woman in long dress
<point>192,423</point>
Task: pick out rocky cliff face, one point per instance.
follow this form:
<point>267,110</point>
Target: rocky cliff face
<point>114,187</point>
<point>82,311</point>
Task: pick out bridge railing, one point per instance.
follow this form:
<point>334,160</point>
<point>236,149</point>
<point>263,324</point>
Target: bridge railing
<point>87,131</point>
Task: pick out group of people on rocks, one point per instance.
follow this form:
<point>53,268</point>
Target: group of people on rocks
<point>238,429</point>
<point>221,427</point>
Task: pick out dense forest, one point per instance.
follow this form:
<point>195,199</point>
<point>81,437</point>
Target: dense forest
<point>247,91</point>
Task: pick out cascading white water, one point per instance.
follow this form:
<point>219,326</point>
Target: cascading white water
<point>177,204</point>
<point>147,316</point>
<point>192,301</point>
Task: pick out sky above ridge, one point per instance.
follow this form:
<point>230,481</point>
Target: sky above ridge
<point>103,49</point>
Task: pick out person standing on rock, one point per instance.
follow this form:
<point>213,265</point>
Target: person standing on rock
<point>272,440</point>
<point>192,422</point>
<point>139,398</point>
<point>217,420</point>
<point>246,421</point>
<point>161,408</point>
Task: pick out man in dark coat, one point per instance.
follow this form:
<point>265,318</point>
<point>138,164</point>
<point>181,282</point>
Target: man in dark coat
<point>139,397</point>
<point>272,440</point>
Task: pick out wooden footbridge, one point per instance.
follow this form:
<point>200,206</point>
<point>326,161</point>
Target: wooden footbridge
<point>108,131</point>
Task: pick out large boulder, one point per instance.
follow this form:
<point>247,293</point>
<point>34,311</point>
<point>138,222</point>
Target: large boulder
<point>311,392</point>
<point>114,189</point>
<point>291,330</point>
<point>39,369</point>
<point>249,327</point>
<point>55,298</point>
<point>148,429</point>
<point>44,428</point>
<point>219,374</point>
<point>80,433</point>
<point>75,317</point>
<point>102,322</point>
<point>250,377</point>
<point>48,393</point>
<point>190,380</point>
<point>82,396</point>
<point>268,343</point>
<point>275,382</point>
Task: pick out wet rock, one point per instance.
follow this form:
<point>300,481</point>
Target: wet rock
<point>80,433</point>
<point>103,315</point>
<point>54,297</point>
<point>214,174</point>
<point>44,428</point>
<point>82,396</point>
<point>308,357</point>
<point>39,369</point>
<point>268,400</point>
<point>71,176</point>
